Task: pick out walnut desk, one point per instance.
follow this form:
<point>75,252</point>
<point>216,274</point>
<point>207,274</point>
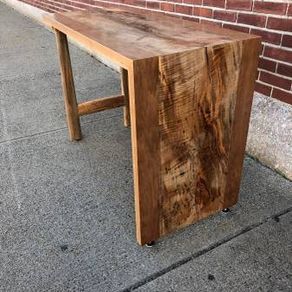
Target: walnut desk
<point>187,94</point>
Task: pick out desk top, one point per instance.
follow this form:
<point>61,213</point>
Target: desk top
<point>135,36</point>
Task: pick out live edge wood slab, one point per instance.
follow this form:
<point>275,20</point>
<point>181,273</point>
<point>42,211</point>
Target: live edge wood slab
<point>189,89</point>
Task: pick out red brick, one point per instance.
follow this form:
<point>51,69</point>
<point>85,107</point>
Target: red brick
<point>153,5</point>
<point>270,7</point>
<point>267,36</point>
<point>289,12</point>
<point>275,80</point>
<point>239,4</point>
<point>256,20</point>
<point>282,95</point>
<point>205,12</point>
<point>236,27</point>
<point>140,3</point>
<point>262,88</point>
<point>284,24</point>
<point>197,2</point>
<point>287,41</point>
<point>278,54</point>
<point>183,9</point>
<point>204,21</point>
<point>167,7</point>
<point>267,65</point>
<point>224,15</point>
<point>215,3</point>
<point>285,70</point>
<point>41,6</point>
<point>195,19</point>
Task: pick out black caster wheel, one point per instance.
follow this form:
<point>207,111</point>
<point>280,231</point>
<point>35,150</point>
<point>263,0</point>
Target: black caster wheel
<point>150,244</point>
<point>226,210</point>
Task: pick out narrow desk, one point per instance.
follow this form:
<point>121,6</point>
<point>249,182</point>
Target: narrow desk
<point>190,89</point>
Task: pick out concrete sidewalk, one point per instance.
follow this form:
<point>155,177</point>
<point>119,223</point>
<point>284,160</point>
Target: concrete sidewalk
<point>66,209</point>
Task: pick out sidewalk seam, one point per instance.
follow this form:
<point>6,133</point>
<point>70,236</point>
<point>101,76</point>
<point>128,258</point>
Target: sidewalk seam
<point>53,130</point>
<point>202,252</point>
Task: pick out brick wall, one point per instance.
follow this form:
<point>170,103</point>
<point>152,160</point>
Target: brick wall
<point>270,19</point>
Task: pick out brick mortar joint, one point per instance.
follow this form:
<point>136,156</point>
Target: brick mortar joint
<point>184,4</point>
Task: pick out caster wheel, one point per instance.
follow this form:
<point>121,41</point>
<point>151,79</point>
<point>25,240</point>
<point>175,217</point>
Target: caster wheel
<point>226,210</point>
<point>150,244</point>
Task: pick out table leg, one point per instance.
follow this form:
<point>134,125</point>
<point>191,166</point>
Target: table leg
<point>71,106</point>
<point>125,92</point>
<point>143,81</point>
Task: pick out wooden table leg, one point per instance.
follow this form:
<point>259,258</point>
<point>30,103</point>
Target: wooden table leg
<point>125,92</point>
<point>143,81</point>
<point>189,121</point>
<point>71,106</point>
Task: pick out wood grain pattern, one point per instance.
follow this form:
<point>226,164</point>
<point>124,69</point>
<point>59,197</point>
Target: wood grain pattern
<point>68,87</point>
<point>189,88</point>
<point>100,104</point>
<point>145,146</point>
<point>124,36</point>
<point>198,127</point>
<point>196,112</point>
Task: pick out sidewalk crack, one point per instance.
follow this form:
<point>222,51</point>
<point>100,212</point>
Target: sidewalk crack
<point>197,254</point>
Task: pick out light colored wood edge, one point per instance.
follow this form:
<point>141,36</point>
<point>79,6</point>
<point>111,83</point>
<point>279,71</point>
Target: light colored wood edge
<point>100,104</point>
<point>247,76</point>
<point>125,91</point>
<point>72,116</point>
<point>145,147</point>
<point>86,41</point>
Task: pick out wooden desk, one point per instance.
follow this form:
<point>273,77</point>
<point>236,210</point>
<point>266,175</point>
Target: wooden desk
<point>190,89</point>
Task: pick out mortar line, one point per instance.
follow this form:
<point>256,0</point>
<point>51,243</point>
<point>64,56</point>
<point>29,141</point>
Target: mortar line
<point>204,251</point>
<point>53,130</point>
